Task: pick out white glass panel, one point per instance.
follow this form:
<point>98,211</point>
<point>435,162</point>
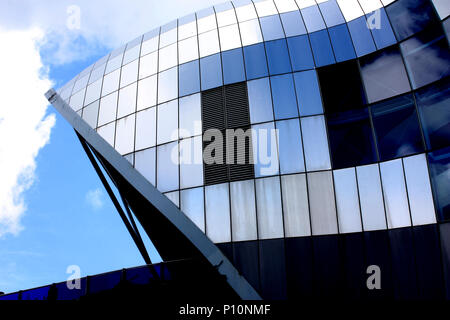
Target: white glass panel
<point>321,203</point>
<point>370,5</point>
<point>81,83</point>
<point>148,65</point>
<point>187,30</point>
<point>226,18</point>
<point>265,153</point>
<point>190,116</point>
<point>174,197</point>
<point>394,191</point>
<point>265,8</point>
<point>386,2</point>
<point>229,37</point>
<point>167,122</point>
<point>147,93</point>
<point>114,63</point>
<point>145,163</point>
<point>129,74</point>
<point>268,203</point>
<point>350,9</point>
<point>305,3</point>
<point>442,8</point>
<point>250,32</point>
<point>168,57</point>
<point>188,50</point>
<point>149,45</point>
<point>93,92</point>
<point>168,85</point>
<point>130,158</point>
<point>286,5</point>
<point>260,100</point>
<point>90,114</point>
<point>111,82</point>
<point>290,148</point>
<point>167,166</point>
<point>246,12</point>
<point>192,205</point>
<point>347,200</point>
<point>371,198</point>
<point>108,108</point>
<point>419,190</point>
<point>207,23</point>
<point>243,211</point>
<point>127,100</point>
<point>191,162</point>
<point>209,43</point>
<point>168,37</point>
<point>146,129</point>
<point>125,135</point>
<point>131,54</point>
<point>97,73</point>
<point>76,101</point>
<point>295,206</point>
<point>315,143</point>
<point>218,213</point>
<point>107,132</point>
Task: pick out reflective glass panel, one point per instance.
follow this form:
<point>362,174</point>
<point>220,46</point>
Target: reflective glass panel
<point>167,167</point>
<point>168,85</point>
<point>145,163</point>
<point>243,211</point>
<point>107,132</point>
<point>278,57</point>
<point>315,143</point>
<point>362,38</point>
<point>255,61</point>
<point>245,11</point>
<point>208,43</point>
<point>342,43</point>
<point>321,46</point>
<point>284,100</point>
<point>190,116</point>
<point>148,65</point>
<point>127,100</point>
<point>225,14</point>
<point>125,135</point>
<point>129,74</point>
<point>111,82</point>
<point>191,164</point>
<point>150,44</point>
<point>90,114</point>
<point>76,101</point>
<point>290,148</point>
<point>167,116</point>
<point>442,8</point>
<point>313,19</point>
<point>188,50</point>
<point>350,9</point>
<point>114,63</point>
<point>268,201</point>
<point>293,23</point>
<point>300,53</point>
<point>250,32</point>
<point>147,92</point>
<point>168,57</point>
<point>206,20</point>
<point>331,13</point>
<point>260,100</point>
<point>174,197</point>
<point>440,171</point>
<point>264,146</point>
<point>308,93</point>
<point>233,66</point>
<point>146,128</point>
<point>108,107</point>
<point>229,37</point>
<point>217,206</point>
<point>93,92</point>
<point>189,74</point>
<point>271,28</point>
<point>383,35</point>
<point>211,72</point>
<point>192,205</point>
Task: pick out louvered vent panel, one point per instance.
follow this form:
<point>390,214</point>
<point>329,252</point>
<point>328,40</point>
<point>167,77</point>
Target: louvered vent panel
<point>236,105</point>
<point>213,113</point>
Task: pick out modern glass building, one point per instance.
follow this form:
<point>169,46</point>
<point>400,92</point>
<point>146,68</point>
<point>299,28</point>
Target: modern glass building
<point>346,160</point>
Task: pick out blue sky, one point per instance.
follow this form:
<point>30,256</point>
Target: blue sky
<point>54,211</point>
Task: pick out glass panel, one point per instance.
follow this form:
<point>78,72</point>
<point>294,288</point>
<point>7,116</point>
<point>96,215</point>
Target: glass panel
<point>439,162</point>
<point>308,93</point>
<point>206,20</point>
<point>130,158</point>
<point>125,135</point>
<point>382,34</point>
<point>107,132</point>
<point>230,37</point>
<point>114,63</point>
<point>192,205</point>
<point>394,191</point>
<point>211,72</point>
<point>131,54</point>
<point>290,146</point>
<point>97,73</point>
<point>233,66</point>
<point>93,92</point>
<point>209,43</point>
<point>245,12</point>
<point>146,129</point>
<point>218,213</point>
<point>250,32</point>
<point>342,43</point>
<point>350,9</point>
<point>187,29</point>
<point>434,112</point>
<point>347,200</point>
<point>191,162</point>
<point>384,75</point>
<point>371,198</point>
<point>111,82</point>
<point>427,57</point>
<point>321,46</point>
<point>286,5</point>
<point>419,190</point>
<point>271,28</point>
<point>169,36</point>
<point>76,101</point>
<point>264,147</point>
<point>265,8</point>
<point>315,143</point>
<point>129,74</point>
<point>146,93</point>
<point>168,57</point>
<point>108,107</point>
<point>278,57</point>
<point>174,197</point>
<point>260,100</point>
<point>321,203</point>
<point>189,74</point>
<point>167,167</point>
<point>442,8</point>
<point>127,100</point>
<point>446,24</point>
<point>293,23</point>
<point>168,85</point>
<point>268,201</point>
<point>295,206</point>
<point>167,115</point>
<point>284,100</point>
<point>362,38</point>
<point>255,61</point>
<point>148,65</point>
<point>90,114</point>
<point>226,17</point>
<point>243,211</point>
<point>410,16</point>
<point>331,13</point>
<point>190,116</point>
<point>145,163</point>
<point>313,19</point>
<point>150,44</point>
<point>397,128</point>
<point>300,53</point>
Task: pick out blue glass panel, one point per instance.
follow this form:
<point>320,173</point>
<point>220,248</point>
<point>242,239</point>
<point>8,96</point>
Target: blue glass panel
<point>331,13</point>
<point>260,100</point>
<point>271,28</point>
<point>308,93</point>
<point>313,19</point>
<point>278,57</point>
<point>321,46</point>
<point>383,34</point>
<point>300,52</point>
<point>362,38</point>
<point>10,297</point>
<point>189,77</point>
<point>283,93</point>
<point>255,61</point>
<point>447,28</point>
<point>433,103</point>
<point>290,149</point>
<point>440,171</point>
<point>342,43</point>
<point>37,294</point>
<point>233,66</point>
<point>64,293</point>
<point>143,275</point>
<point>427,57</point>
<point>293,23</point>
<point>211,71</point>
<point>104,282</point>
<point>410,16</point>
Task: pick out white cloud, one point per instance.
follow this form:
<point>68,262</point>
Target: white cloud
<point>95,198</point>
<point>24,126</point>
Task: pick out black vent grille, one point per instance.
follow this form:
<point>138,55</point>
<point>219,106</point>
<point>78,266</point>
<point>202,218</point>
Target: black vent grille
<point>213,111</point>
<point>236,105</point>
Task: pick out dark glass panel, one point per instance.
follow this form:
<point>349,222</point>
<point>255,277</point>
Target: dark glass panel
<point>64,293</point>
<point>189,78</point>
<point>321,46</point>
<point>233,66</point>
<point>246,260</point>
<point>278,57</point>
<point>143,275</point>
<point>104,282</point>
<point>299,267</point>
<point>353,257</point>
<point>445,247</point>
<point>300,52</point>
<point>255,61</point>
<point>342,43</point>
<point>273,269</point>
<point>43,293</point>
<point>440,172</point>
